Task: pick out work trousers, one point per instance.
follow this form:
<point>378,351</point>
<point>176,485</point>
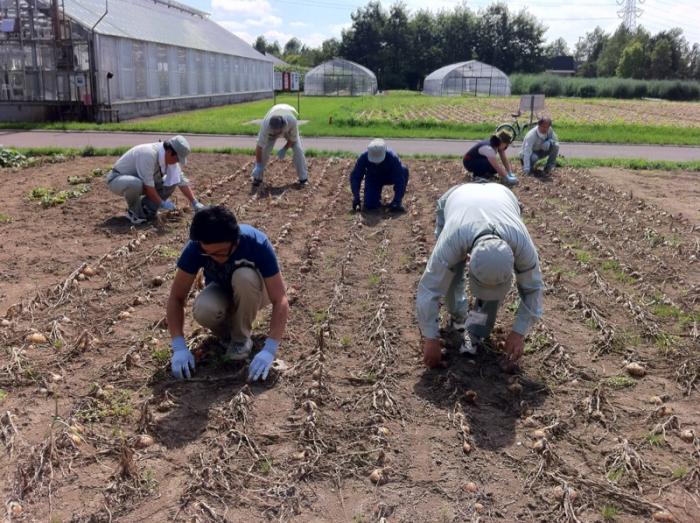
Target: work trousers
<point>373,188</point>
<point>298,158</point>
<point>131,188</point>
<point>550,154</point>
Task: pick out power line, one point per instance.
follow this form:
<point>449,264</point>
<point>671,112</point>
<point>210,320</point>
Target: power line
<point>629,13</point>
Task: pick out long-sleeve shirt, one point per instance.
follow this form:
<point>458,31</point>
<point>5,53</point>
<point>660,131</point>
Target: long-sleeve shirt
<point>464,213</point>
<point>289,132</point>
<point>377,171</point>
<point>533,142</point>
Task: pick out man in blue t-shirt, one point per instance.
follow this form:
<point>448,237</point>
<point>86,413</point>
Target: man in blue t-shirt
<point>379,167</point>
<point>242,276</point>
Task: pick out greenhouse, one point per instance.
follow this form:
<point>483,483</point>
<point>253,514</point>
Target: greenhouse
<point>105,60</point>
<point>470,77</point>
<point>338,77</point>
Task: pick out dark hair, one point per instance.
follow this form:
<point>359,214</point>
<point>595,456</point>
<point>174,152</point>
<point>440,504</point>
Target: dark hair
<point>168,147</point>
<point>498,139</point>
<point>214,225</point>
<point>277,122</point>
<point>544,119</point>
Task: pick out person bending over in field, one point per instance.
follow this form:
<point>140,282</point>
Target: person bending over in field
<point>482,159</point>
<point>242,276</point>
<point>146,176</point>
<point>279,122</point>
<point>540,142</point>
<point>378,166</point>
<point>479,226</point>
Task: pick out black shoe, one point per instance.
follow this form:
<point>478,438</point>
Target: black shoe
<point>302,183</point>
<point>396,207</point>
<point>256,182</point>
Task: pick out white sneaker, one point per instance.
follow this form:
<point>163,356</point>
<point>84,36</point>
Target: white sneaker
<point>134,219</point>
<point>467,347</point>
<point>238,350</point>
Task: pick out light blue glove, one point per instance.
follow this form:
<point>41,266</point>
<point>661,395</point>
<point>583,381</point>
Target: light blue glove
<point>258,171</point>
<point>511,180</point>
<point>262,362</point>
<point>167,205</point>
<point>183,360</point>
<point>198,206</point>
<point>546,145</point>
<point>282,153</point>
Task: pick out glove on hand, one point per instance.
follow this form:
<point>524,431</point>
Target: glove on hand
<point>546,145</point>
<point>183,360</point>
<point>258,171</point>
<point>198,206</point>
<point>167,205</point>
<point>262,361</point>
<point>511,180</point>
<point>282,153</point>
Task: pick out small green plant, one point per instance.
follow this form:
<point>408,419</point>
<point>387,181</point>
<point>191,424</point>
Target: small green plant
<point>161,356</point>
<point>265,466</point>
<point>115,403</point>
<point>614,475</point>
<point>77,180</point>
<point>679,472</point>
<point>345,341</point>
<point>590,322</point>
<point>57,344</point>
<point>620,382</point>
<point>513,306</point>
<point>371,376</point>
<point>320,316</point>
<point>99,171</point>
<point>614,267</point>
<point>374,279</point>
<point>3,394</point>
<point>655,440</point>
<point>12,158</point>
<point>168,252</point>
<point>536,343</point>
<point>5,218</point>
<point>609,512</point>
<point>582,255</point>
<point>665,342</point>
<point>49,198</point>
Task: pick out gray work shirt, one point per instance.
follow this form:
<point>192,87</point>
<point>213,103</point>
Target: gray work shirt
<point>533,142</point>
<point>142,162</point>
<point>289,132</point>
<point>464,213</point>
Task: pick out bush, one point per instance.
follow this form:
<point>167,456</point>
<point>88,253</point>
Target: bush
<point>552,85</point>
<point>12,158</point>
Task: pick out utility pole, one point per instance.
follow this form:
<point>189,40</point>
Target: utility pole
<point>629,13</point>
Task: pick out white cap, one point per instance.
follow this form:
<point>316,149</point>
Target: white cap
<point>376,151</point>
<point>491,269</point>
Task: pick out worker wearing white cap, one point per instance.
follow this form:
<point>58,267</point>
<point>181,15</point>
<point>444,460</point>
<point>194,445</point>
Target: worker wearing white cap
<point>147,175</point>
<point>279,122</point>
<point>378,166</point>
<point>479,225</point>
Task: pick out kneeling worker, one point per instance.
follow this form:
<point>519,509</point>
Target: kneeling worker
<point>540,142</point>
<point>242,276</point>
<point>479,225</point>
<point>146,176</point>
<point>482,159</point>
<point>378,166</point>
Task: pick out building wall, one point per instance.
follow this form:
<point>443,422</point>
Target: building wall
<point>147,71</point>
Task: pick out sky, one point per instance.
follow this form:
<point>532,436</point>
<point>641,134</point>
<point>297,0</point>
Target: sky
<point>313,21</point>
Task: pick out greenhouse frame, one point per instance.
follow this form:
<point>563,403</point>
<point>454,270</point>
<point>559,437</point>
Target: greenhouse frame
<point>339,77</point>
<point>472,77</point>
<point>106,60</point>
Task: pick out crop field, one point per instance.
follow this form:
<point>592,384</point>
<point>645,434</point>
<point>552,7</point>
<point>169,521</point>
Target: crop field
<point>599,423</point>
<point>411,115</point>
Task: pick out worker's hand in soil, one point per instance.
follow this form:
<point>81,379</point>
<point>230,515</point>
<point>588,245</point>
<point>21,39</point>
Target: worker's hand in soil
<point>183,360</point>
<point>262,361</point>
<point>514,346</point>
<point>198,206</point>
<point>432,353</point>
<point>167,205</point>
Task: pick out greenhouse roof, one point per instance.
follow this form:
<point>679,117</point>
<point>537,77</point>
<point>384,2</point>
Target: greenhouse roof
<point>341,62</point>
<point>470,64</point>
<point>160,21</point>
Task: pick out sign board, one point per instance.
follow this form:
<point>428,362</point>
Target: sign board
<point>294,81</point>
<point>79,80</point>
<point>278,81</point>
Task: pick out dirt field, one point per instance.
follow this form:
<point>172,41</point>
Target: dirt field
<point>604,111</point>
<point>93,429</point>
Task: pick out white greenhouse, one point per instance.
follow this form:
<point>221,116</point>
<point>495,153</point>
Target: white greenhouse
<point>472,77</point>
<point>116,59</point>
<point>338,77</point>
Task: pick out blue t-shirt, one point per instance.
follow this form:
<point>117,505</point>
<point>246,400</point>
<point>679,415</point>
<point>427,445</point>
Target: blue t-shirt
<point>254,250</point>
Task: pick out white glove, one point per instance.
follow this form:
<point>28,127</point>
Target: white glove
<point>282,153</point>
<point>546,145</point>
<point>511,180</point>
<point>183,360</point>
<point>198,206</point>
<point>262,361</point>
<point>258,171</point>
<point>167,205</point>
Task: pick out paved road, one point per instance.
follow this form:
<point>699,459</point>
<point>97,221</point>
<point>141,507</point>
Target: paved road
<point>12,138</point>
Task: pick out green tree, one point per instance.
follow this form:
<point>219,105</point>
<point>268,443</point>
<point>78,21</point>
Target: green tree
<point>558,47</point>
<point>661,59</point>
<point>606,64</point>
<point>587,51</point>
<point>426,53</point>
<point>363,42</point>
<point>631,63</point>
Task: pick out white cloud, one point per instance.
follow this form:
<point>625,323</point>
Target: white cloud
<point>242,7</point>
<point>264,21</point>
<point>298,24</point>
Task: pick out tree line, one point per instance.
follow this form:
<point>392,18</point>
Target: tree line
<point>403,47</point>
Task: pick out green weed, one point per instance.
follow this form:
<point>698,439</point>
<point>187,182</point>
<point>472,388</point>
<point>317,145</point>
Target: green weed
<point>320,316</point>
<point>3,394</point>
<point>616,474</point>
<point>265,466</point>
<point>582,255</point>
<point>613,266</point>
<point>114,403</point>
<point>374,279</point>
<point>161,356</point>
<point>655,440</point>
<point>345,341</point>
<point>679,472</point>
<point>609,512</point>
<point>168,252</point>
<point>620,382</point>
<point>5,218</point>
<point>50,198</point>
<point>536,343</point>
